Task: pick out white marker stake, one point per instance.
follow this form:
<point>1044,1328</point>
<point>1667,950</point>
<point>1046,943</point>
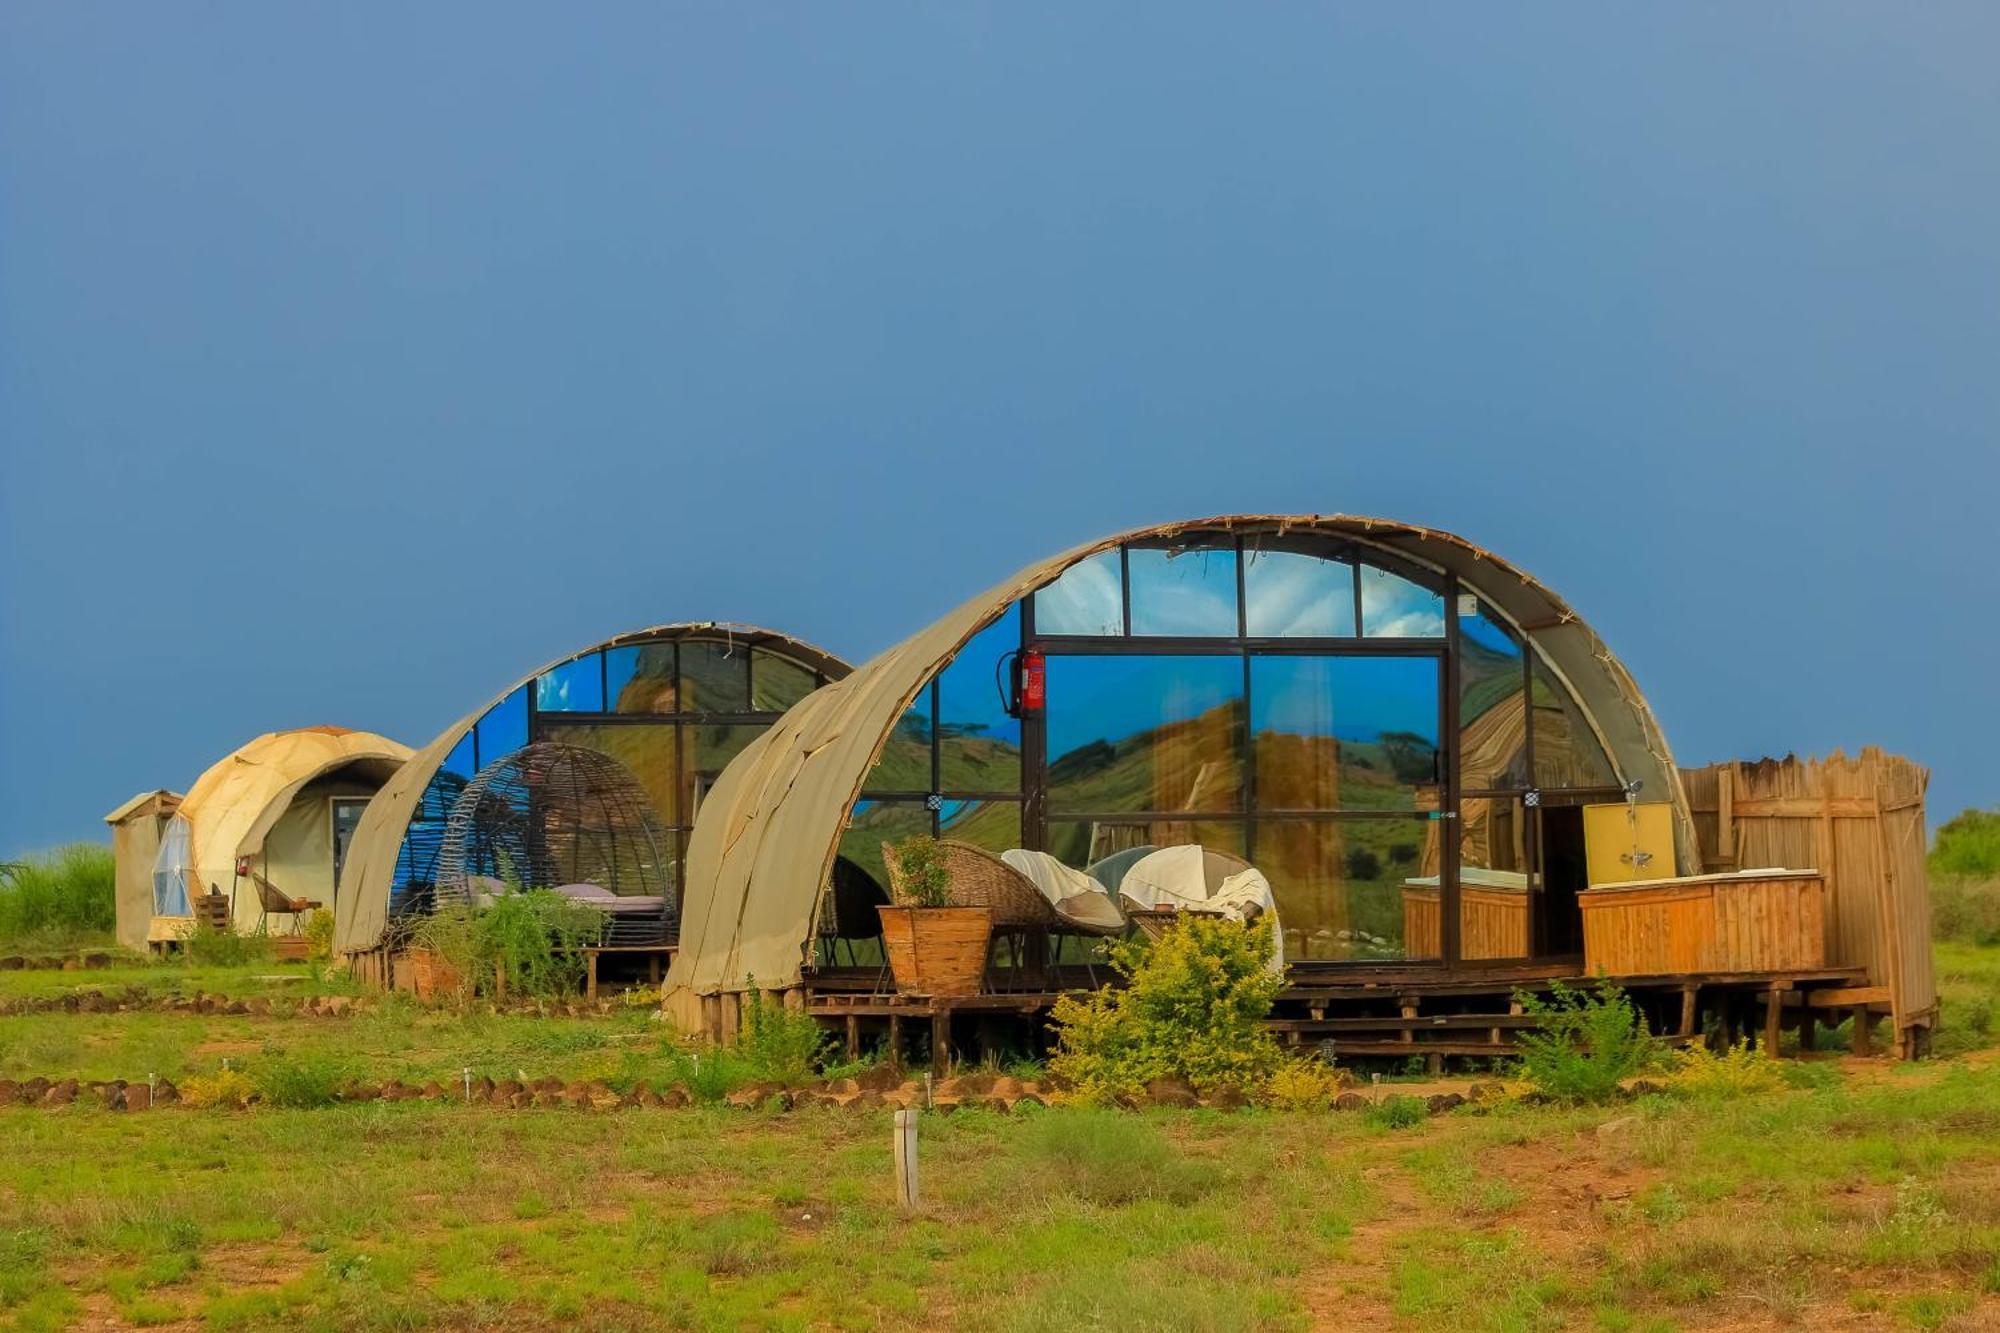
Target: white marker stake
<point>905,1148</point>
<point>468,1085</point>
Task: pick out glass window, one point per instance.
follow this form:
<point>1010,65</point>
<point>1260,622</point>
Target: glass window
<point>905,765</point>
<point>639,678</point>
<point>776,682</point>
<point>1292,595</point>
<point>573,687</point>
<point>1495,902</point>
<point>876,822</point>
<point>1566,750</point>
<point>504,728</point>
<point>1191,591</point>
<point>1086,598</point>
<point>645,750</point>
<point>994,826</point>
<point>715,676</point>
<point>1345,733</point>
<point>1107,847</point>
<point>1392,607</point>
<point>1154,733</point>
<point>461,761</point>
<point>1492,705</point>
<point>1345,887</point>
<point>979,745</point>
<point>713,747</point>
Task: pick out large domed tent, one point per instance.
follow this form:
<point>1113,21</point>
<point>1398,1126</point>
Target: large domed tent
<point>671,704</point>
<point>1375,714</point>
<point>281,809</point>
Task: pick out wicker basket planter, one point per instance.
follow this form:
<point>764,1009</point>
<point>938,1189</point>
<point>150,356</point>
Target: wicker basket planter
<point>937,950</point>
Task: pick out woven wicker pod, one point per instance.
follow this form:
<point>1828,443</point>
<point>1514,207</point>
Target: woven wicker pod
<point>981,879</point>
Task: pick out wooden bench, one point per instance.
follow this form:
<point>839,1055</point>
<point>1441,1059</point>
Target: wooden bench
<point>657,956</point>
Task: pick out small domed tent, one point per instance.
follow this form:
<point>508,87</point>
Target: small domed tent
<point>1373,713</point>
<point>671,704</point>
<point>282,809</point>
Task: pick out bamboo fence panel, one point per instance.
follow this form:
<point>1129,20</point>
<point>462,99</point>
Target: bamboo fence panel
<point>1860,822</point>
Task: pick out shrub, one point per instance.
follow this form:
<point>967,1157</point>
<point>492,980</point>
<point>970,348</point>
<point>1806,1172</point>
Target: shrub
<point>1397,1112</point>
<point>60,897</point>
<point>1968,845</point>
<point>1110,1159</point>
<point>308,1079</point>
<point>319,935</point>
<point>776,1043</point>
<point>537,936</point>
<point>229,1088</point>
<point>205,946</point>
<point>1964,908</point>
<point>1192,1008</point>
<point>1303,1084</point>
<point>924,882</point>
<point>1589,1042</point>
<point>1739,1071</point>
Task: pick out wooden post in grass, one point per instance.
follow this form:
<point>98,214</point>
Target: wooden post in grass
<point>905,1149</point>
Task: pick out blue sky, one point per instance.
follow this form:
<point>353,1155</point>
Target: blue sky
<point>355,359</point>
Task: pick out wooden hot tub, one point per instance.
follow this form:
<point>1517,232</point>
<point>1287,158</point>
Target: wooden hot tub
<point>1749,921</point>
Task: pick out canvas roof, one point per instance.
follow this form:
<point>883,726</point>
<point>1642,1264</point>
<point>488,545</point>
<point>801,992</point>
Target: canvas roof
<point>361,911</point>
<point>140,801</point>
<point>768,833</point>
<point>233,805</point>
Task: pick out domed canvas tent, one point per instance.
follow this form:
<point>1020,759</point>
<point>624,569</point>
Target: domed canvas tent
<point>282,809</point>
<point>672,704</point>
<point>1324,696</point>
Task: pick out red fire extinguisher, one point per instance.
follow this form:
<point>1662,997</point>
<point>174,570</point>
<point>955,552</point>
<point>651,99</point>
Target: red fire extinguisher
<point>1034,681</point>
<point>1027,682</point>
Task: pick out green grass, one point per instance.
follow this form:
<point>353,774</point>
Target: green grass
<point>56,900</point>
<point>381,1216</point>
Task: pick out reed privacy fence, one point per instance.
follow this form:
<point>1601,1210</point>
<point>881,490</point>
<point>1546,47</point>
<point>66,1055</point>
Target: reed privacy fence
<point>1860,822</point>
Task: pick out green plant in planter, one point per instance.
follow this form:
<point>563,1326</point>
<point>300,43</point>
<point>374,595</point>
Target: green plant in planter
<point>925,882</point>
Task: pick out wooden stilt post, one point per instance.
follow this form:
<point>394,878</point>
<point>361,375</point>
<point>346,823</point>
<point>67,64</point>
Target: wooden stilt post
<point>853,1037</point>
<point>1863,1037</point>
<point>940,1039</point>
<point>1688,1010</point>
<point>1774,1020</point>
<point>895,1041</point>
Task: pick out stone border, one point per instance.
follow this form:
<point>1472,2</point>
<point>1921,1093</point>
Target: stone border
<point>881,1088</point>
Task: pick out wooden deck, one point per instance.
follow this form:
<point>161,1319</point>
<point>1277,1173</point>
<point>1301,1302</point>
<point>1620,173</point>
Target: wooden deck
<point>1391,1012</point>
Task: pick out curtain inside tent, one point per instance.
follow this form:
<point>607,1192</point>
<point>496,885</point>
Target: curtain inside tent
<point>170,870</point>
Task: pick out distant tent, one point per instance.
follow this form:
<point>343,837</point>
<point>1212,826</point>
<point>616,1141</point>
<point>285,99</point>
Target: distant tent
<point>280,809</point>
<point>137,828</point>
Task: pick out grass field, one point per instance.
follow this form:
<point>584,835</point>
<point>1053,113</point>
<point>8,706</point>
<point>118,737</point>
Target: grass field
<point>1866,1197</point>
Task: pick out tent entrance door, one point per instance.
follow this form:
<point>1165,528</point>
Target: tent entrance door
<point>346,818</point>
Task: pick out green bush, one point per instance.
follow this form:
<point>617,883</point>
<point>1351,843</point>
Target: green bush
<point>1968,845</point>
<point>205,946</point>
<point>1396,1112</point>
<point>536,936</point>
<point>1109,1159</point>
<point>311,1078</point>
<point>1965,909</point>
<point>1589,1042</point>
<point>319,935</point>
<point>778,1044</point>
<point>1192,1008</point>
<point>60,897</point>
<point>923,880</point>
